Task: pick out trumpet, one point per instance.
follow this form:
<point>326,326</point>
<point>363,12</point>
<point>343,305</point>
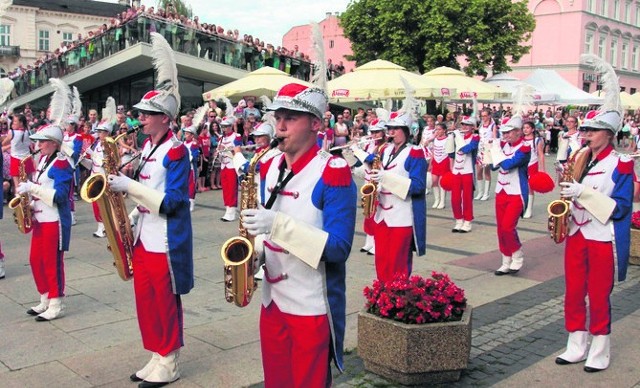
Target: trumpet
<point>361,141</point>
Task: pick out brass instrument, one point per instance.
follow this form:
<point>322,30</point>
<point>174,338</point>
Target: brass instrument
<point>369,191</point>
<point>112,209</point>
<point>238,253</point>
<point>560,209</point>
<point>21,204</point>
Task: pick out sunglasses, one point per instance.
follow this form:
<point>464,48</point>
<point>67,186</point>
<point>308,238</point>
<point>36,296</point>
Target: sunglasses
<point>587,129</point>
<point>149,113</point>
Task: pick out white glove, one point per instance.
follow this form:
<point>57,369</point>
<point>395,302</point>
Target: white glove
<point>133,217</point>
<point>119,183</point>
<point>376,175</point>
<point>571,189</point>
<point>354,147</point>
<point>24,187</point>
<point>257,221</point>
<point>88,152</point>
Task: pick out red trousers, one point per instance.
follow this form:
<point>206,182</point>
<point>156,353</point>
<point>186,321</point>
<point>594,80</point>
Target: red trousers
<point>393,250</point>
<point>508,211</point>
<point>369,226</point>
<point>159,309</point>
<point>462,197</point>
<point>295,349</point>
<point>46,259</point>
<point>96,212</point>
<point>229,181</point>
<point>588,269</point>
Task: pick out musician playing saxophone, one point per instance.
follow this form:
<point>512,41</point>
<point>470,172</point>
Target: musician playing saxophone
<point>367,156</point>
<point>163,241</point>
<point>51,222</point>
<point>309,219</point>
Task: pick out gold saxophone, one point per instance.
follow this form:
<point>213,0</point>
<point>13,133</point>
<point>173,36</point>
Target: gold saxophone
<point>112,209</point>
<point>238,253</point>
<point>21,204</point>
<point>560,209</point>
<point>369,191</point>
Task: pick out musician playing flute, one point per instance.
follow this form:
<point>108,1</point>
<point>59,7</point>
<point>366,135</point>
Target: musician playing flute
<point>163,241</point>
<point>308,218</point>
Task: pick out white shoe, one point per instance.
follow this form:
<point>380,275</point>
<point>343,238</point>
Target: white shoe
<point>599,354</point>
<point>166,370</point>
<point>146,370</point>
<point>576,349</point>
<point>517,260</point>
<point>368,244</point>
<point>436,198</point>
<point>504,268</point>
<point>55,310</point>
<point>457,226</point>
<point>73,218</point>
<point>100,233</point>
<point>466,227</point>
<point>260,274</point>
<point>1,268</point>
<point>372,251</point>
<point>42,307</point>
<point>443,198</point>
<point>527,212</point>
<point>480,190</point>
<point>230,214</point>
<point>192,204</point>
<point>484,197</point>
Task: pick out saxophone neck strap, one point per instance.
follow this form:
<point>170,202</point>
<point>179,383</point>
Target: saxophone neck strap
<point>50,160</point>
<point>282,181</point>
<point>144,160</point>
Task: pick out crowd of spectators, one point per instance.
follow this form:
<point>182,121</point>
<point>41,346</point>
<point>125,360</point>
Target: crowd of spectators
<point>190,36</point>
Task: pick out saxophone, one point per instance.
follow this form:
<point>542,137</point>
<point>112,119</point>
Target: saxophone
<point>560,209</point>
<point>21,204</point>
<point>238,253</point>
<point>112,209</point>
<point>369,191</point>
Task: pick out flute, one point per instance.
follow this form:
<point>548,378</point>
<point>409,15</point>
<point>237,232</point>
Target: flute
<point>361,141</point>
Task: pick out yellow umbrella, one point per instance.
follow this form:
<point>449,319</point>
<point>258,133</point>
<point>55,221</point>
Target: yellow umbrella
<point>265,81</point>
<point>379,80</point>
<point>466,87</point>
<point>628,101</point>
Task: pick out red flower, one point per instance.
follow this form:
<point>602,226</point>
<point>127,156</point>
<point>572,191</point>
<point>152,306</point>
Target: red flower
<point>416,300</point>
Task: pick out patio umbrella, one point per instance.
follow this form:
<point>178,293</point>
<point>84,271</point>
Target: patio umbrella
<point>628,101</point>
<point>379,80</point>
<point>509,84</point>
<point>265,81</point>
<point>466,87</point>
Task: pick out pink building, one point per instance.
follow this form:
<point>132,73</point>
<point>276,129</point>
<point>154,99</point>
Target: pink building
<point>336,45</point>
<point>565,29</point>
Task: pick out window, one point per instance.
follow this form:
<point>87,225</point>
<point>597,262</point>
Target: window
<point>637,15</point>
<point>625,55</point>
<point>5,35</point>
<point>67,37</point>
<point>591,6</point>
<point>331,43</point>
<point>43,40</point>
<point>627,12</point>
<point>616,9</point>
<point>586,86</point>
<point>634,58</point>
<point>601,43</point>
<point>588,43</point>
<point>614,52</point>
<point>632,91</point>
<point>604,11</point>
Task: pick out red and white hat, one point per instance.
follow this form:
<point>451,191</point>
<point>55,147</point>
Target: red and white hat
<point>264,129</point>
<point>469,120</point>
<point>400,119</point>
<point>610,120</point>
<point>159,101</point>
<point>377,125</point>
<point>300,98</point>
<point>227,121</point>
<point>511,123</point>
<point>49,132</point>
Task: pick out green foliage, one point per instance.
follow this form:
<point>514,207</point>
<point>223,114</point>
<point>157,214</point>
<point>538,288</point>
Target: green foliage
<point>424,34</point>
<point>180,6</point>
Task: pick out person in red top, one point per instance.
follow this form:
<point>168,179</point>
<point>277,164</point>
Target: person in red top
<point>205,143</point>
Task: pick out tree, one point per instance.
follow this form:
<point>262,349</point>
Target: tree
<point>180,7</point>
<point>424,34</point>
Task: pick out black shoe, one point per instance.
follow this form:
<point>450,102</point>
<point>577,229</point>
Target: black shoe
<point>369,253</point>
<point>134,377</point>
<point>461,231</point>
<point>363,250</point>
<point>33,312</point>
<point>41,319</point>
<point>149,384</point>
<point>590,369</point>
<point>513,271</point>
<point>455,230</point>
<point>562,361</point>
<point>500,273</point>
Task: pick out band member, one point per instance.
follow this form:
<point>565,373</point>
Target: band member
<point>601,193</point>
<point>462,147</point>
<point>400,218</point>
<point>18,139</point>
<point>163,250</point>
<point>72,147</point>
<point>228,175</point>
<point>95,161</point>
<point>532,140</point>
<point>511,158</point>
<point>51,230</point>
<point>309,218</point>
<point>192,144</point>
<point>487,131</point>
<point>569,141</point>
<point>371,150</point>
<point>440,164</point>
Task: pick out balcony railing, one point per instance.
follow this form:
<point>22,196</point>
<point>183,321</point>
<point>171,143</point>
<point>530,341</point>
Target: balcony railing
<point>182,39</point>
<point>9,51</point>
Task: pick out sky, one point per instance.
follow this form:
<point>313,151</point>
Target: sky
<point>268,20</point>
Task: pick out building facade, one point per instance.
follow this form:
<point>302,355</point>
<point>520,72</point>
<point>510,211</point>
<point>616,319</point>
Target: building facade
<point>336,45</point>
<point>565,29</point>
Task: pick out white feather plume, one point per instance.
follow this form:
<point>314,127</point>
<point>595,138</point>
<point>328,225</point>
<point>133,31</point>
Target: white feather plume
<point>6,87</point>
<point>265,101</point>
<point>230,109</point>
<point>474,111</point>
<point>319,77</point>
<point>11,108</point>
<point>164,62</point>
<point>388,105</point>
<point>60,105</point>
<point>609,80</point>
<point>522,98</point>
<point>200,114</point>
<point>109,113</point>
<point>76,106</point>
<point>270,118</point>
<point>383,114</point>
<point>410,103</point>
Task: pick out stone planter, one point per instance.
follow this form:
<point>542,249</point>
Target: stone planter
<point>431,353</point>
<point>634,251</point>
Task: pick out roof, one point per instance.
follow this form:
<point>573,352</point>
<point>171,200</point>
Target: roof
<point>83,7</point>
